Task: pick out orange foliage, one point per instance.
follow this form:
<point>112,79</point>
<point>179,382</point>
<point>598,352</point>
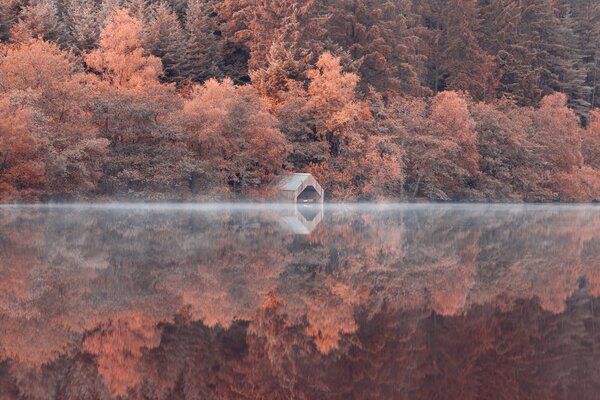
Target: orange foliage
<point>21,160</point>
<point>33,64</point>
<point>120,57</point>
<point>229,127</point>
<point>119,345</point>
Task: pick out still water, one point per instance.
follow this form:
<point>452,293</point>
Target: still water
<point>278,302</point>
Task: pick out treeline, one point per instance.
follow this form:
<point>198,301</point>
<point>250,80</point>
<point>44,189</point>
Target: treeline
<point>196,99</point>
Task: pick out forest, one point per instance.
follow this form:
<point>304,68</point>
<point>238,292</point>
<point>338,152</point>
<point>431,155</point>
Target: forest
<point>446,100</point>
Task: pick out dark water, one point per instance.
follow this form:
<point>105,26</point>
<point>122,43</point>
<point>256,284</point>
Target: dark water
<point>397,302</point>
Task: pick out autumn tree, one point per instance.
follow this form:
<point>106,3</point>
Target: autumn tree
<point>557,137</point>
<point>441,152</point>
<point>38,74</point>
<point>357,163</point>
<point>504,148</point>
<point>21,162</point>
<point>230,130</point>
<point>120,58</point>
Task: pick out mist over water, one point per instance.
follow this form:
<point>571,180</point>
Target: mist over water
<point>186,301</point>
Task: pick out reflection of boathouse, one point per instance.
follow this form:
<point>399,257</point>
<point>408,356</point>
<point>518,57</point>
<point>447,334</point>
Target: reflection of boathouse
<point>300,188</point>
<point>302,219</point>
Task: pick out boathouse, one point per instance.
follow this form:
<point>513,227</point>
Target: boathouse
<point>300,188</point>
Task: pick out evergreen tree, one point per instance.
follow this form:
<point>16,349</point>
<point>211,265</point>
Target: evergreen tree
<point>463,63</point>
<point>40,19</point>
<point>139,9</point>
<point>570,64</point>
<point>9,10</point>
<point>536,48</point>
<point>165,39</point>
<point>81,17</point>
<point>203,52</point>
<point>586,17</point>
<point>384,36</point>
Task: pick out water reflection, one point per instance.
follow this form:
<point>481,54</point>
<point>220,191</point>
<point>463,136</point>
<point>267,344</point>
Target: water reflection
<point>402,302</point>
<point>302,219</point>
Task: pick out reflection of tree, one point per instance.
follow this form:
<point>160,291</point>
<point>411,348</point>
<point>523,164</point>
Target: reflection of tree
<point>444,302</point>
<point>119,346</point>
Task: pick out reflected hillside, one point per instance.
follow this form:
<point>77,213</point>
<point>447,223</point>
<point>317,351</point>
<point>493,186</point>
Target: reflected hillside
<point>403,302</point>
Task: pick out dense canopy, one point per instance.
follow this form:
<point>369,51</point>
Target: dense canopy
<point>204,99</point>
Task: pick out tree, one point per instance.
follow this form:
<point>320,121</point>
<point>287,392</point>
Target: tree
<point>332,97</point>
<point>385,37</point>
<point>586,17</point>
<point>456,60</point>
<point>468,67</point>
<point>33,64</point>
<point>556,136</point>
<point>557,131</point>
<point>120,58</point>
<point>230,129</point>
<point>39,75</point>
<point>21,157</point>
<point>40,19</point>
<point>440,145</point>
<point>358,163</point>
<point>590,146</point>
<point>504,148</point>
<point>203,50</point>
<point>165,39</point>
<point>83,23</point>
<point>536,48</point>
<point>9,11</point>
<point>250,30</point>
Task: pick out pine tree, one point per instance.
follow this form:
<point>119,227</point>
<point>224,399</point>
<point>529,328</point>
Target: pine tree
<point>165,39</point>
<point>384,36</point>
<point>9,10</point>
<point>586,16</point>
<point>464,63</point>
<point>139,9</point>
<point>250,30</point>
<point>180,7</point>
<point>203,52</point>
<point>570,65</point>
<point>40,19</point>
<point>81,17</point>
<point>536,46</point>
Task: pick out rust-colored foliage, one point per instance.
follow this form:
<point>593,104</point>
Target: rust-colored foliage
<point>21,158</point>
<point>199,100</point>
<point>120,57</point>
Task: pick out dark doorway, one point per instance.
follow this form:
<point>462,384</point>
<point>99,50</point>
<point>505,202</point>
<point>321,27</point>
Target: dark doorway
<point>309,195</point>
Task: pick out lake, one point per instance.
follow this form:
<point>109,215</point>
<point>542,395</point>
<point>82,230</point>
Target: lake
<point>205,301</point>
